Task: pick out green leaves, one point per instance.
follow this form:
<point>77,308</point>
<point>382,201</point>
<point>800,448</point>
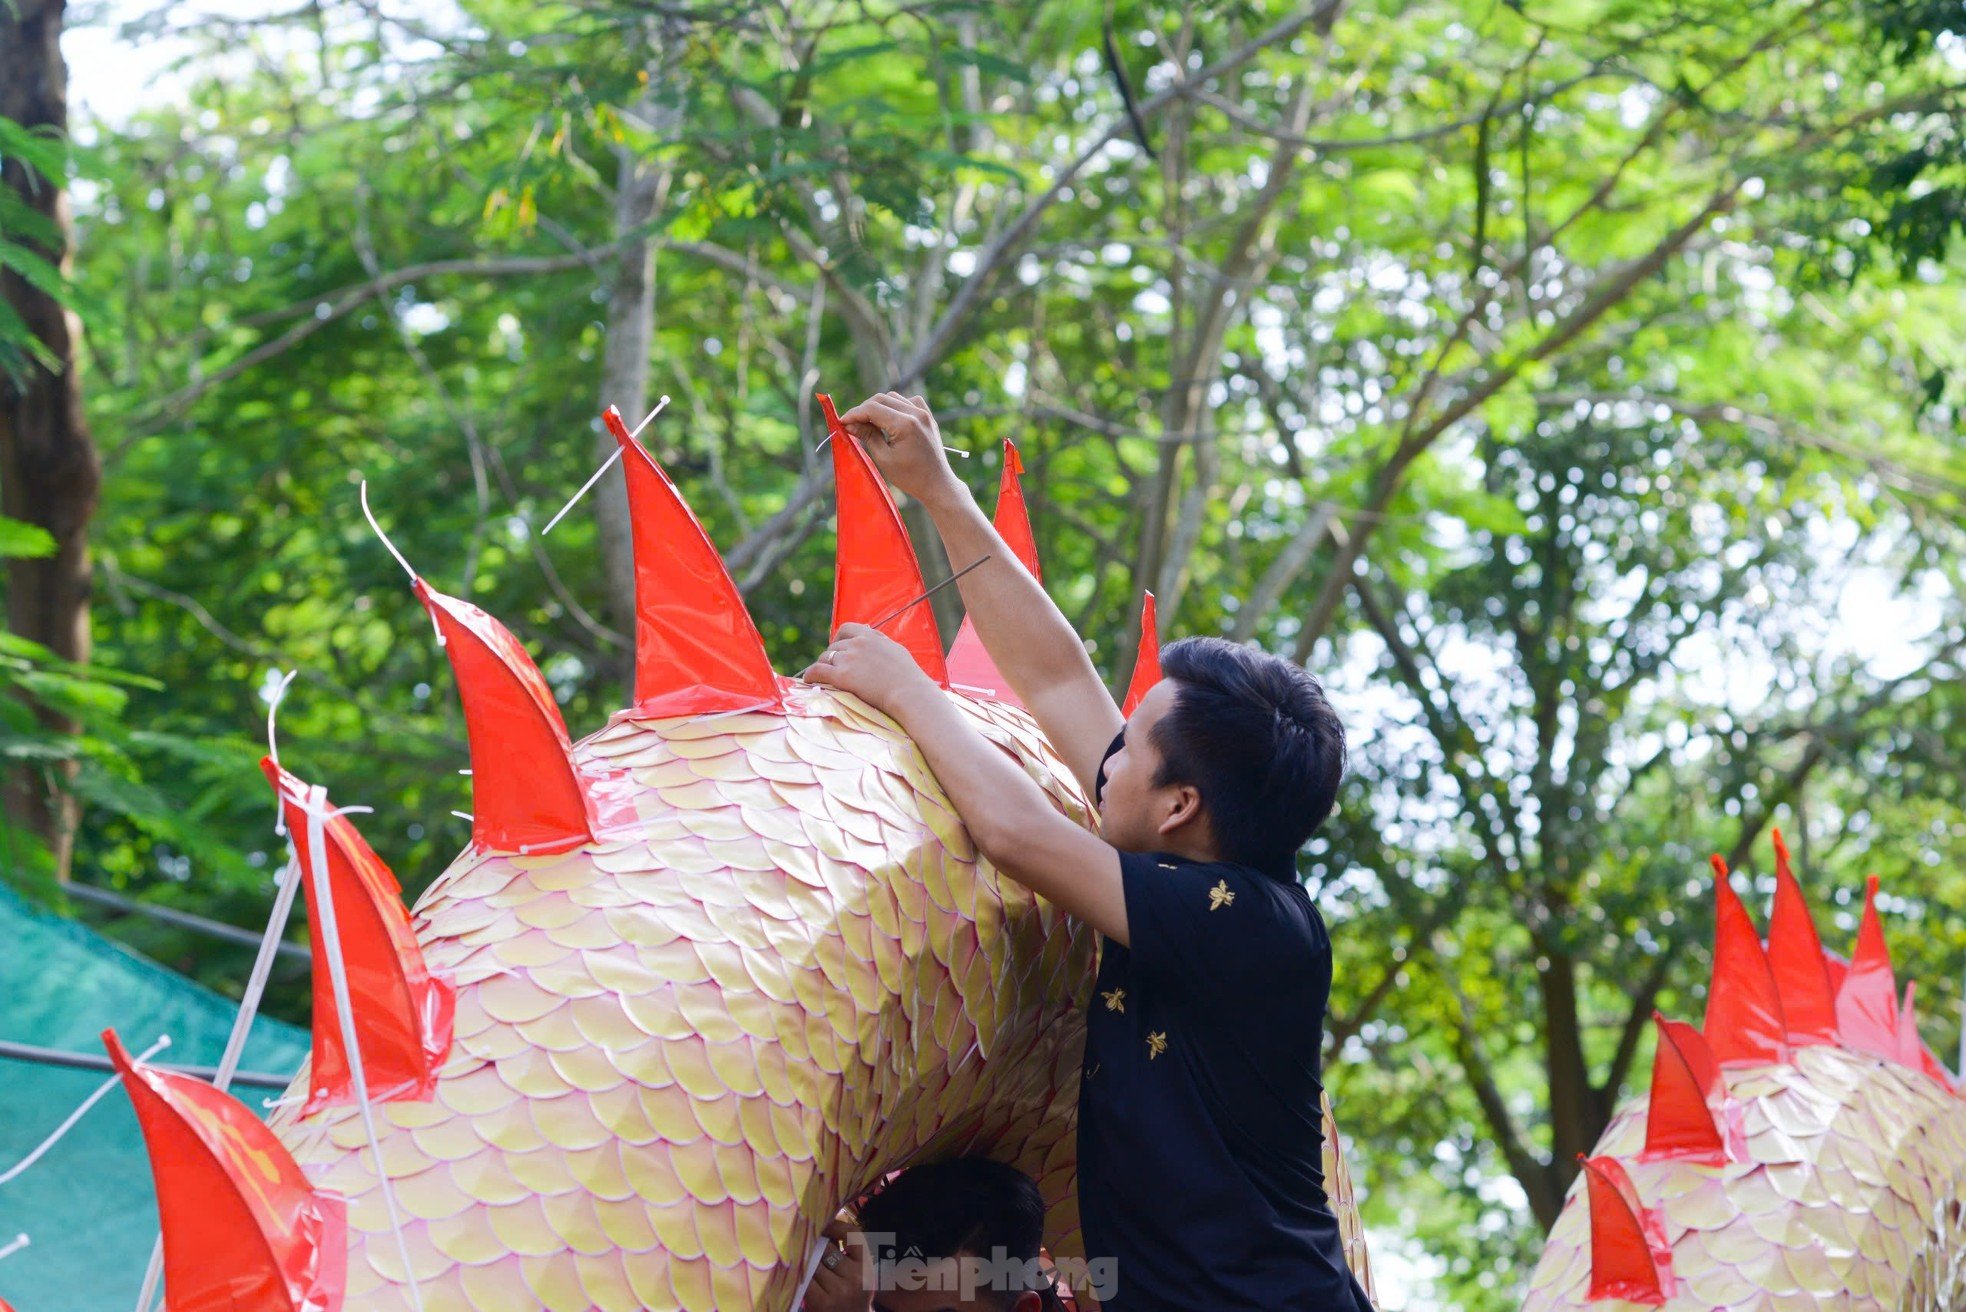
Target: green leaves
<point>23,541</point>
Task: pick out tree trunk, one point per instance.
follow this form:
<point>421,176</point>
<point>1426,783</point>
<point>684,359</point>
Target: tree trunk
<point>625,361</point>
<point>50,473</point>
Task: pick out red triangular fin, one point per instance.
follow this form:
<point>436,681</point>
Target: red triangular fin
<point>243,1228</point>
<point>696,647</point>
<point>1795,957</point>
<point>1744,1024</point>
<point>526,795</point>
<point>876,571</point>
<point>402,1012</point>
<point>1867,1002</point>
<point>1910,1045</point>
<point>1929,1062</point>
<point>1680,1123</point>
<point>970,665</point>
<point>1146,661</point>
<point>1630,1258</point>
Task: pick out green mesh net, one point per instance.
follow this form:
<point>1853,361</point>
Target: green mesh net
<point>87,1206</point>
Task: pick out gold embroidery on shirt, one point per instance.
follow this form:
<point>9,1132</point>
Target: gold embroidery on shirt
<point>1220,896</point>
<point>1156,1044</point>
<point>1115,999</point>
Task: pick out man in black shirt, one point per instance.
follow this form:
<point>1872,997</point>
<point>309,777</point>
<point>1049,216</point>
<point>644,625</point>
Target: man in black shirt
<point>1200,1168</point>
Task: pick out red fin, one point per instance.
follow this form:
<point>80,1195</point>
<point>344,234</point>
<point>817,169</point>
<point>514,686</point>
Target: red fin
<point>1910,1046</point>
<point>970,666</point>
<point>1630,1258</point>
<point>243,1228</point>
<point>402,1012</point>
<point>876,571</point>
<point>526,795</point>
<point>1929,1063</point>
<point>1680,1123</point>
<point>696,648</point>
<point>1744,1024</point>
<point>1146,662</point>
<point>1912,1051</point>
<point>1867,1004</point>
<point>1795,956</point>
<point>1013,517</point>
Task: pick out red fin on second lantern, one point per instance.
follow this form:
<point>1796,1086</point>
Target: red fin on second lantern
<point>1146,662</point>
<point>402,1012</point>
<point>1680,1121</point>
<point>526,794</point>
<point>970,666</point>
<point>1630,1258</point>
<point>1744,1024</point>
<point>696,647</point>
<point>242,1225</point>
<point>1795,957</point>
<point>1867,1001</point>
<point>875,571</point>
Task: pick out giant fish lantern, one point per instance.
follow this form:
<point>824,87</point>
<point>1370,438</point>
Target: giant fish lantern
<point>1802,1150</point>
<point>699,979</point>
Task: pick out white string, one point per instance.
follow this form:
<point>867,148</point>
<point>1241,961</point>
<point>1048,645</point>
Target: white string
<point>606,465</point>
<point>315,805</point>
<point>273,747</point>
<point>20,1241</point>
<point>101,1091</point>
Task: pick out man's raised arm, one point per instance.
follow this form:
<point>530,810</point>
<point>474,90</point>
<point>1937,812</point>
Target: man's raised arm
<point>1025,633</point>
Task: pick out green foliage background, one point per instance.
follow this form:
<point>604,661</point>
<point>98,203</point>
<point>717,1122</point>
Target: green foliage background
<point>1596,626</point>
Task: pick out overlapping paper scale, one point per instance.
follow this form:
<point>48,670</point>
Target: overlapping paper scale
<point>778,973</point>
<point>1846,1196</point>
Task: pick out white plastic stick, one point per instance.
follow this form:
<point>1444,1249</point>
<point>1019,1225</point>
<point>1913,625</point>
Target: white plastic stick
<point>20,1241</point>
<point>363,492</point>
<point>81,1110</point>
<point>273,746</point>
<point>819,1247</point>
<point>316,806</point>
<point>369,515</point>
<point>606,465</point>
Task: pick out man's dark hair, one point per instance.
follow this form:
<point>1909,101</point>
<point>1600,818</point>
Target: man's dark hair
<point>969,1206</point>
<point>1253,734</point>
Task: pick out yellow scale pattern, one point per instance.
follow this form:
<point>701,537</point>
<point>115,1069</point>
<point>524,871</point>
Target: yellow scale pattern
<point>1848,1199</point>
<point>678,1050</point>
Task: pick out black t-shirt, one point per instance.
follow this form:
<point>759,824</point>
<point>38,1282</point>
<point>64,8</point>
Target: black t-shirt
<point>1200,1140</point>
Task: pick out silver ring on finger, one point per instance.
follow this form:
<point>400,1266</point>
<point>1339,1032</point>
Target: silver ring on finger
<point>832,1259</point>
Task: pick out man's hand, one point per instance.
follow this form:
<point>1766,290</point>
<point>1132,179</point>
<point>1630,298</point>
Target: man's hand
<point>901,435</point>
<point>840,1285</point>
<point>866,662</point>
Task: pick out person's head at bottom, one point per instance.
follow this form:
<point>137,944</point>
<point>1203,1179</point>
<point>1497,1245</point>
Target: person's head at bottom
<point>955,1236</point>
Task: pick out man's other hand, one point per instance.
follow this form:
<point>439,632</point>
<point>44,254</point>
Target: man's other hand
<point>901,435</point>
<point>866,662</point>
<point>839,1284</point>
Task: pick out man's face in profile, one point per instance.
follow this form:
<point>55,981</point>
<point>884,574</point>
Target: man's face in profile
<point>949,1284</point>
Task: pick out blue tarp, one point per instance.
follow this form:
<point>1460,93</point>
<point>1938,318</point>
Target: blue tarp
<point>87,1206</point>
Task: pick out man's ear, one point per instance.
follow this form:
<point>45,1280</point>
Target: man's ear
<point>1186,810</point>
<point>1028,1301</point>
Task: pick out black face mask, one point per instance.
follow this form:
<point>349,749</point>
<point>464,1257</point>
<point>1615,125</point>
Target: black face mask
<point>1099,779</point>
